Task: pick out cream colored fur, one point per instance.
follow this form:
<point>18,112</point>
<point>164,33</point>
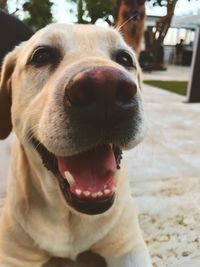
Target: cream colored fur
<point>36,222</point>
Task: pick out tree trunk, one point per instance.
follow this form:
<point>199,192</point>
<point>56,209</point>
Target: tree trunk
<point>3,4</point>
<point>80,12</point>
<point>162,26</point>
<point>129,19</point>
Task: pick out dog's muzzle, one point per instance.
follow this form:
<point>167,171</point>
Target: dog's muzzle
<point>102,106</point>
<point>87,180</point>
<point>100,102</point>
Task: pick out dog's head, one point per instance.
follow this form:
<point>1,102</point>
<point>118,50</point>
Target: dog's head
<point>72,94</point>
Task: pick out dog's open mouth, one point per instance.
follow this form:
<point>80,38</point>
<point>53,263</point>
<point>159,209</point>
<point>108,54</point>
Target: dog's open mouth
<point>87,180</point>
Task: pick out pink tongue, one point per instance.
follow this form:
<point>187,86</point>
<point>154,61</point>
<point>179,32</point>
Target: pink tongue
<point>92,170</point>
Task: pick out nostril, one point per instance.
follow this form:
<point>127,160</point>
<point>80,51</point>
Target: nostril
<point>125,91</point>
<point>100,85</point>
<point>80,93</point>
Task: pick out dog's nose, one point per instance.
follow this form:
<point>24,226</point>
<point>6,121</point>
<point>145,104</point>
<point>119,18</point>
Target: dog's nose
<point>101,85</point>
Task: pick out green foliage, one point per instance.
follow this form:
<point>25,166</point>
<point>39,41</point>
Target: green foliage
<point>89,11</point>
<point>178,87</point>
<point>100,9</point>
<point>38,13</point>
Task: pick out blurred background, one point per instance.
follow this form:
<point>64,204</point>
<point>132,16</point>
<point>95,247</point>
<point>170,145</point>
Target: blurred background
<point>167,27</point>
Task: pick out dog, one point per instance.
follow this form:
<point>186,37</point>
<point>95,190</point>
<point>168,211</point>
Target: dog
<point>130,19</point>
<point>72,95</point>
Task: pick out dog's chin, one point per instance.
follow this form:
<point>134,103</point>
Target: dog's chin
<point>87,180</point>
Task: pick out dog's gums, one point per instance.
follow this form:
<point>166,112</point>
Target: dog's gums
<point>92,191</point>
<point>87,180</point>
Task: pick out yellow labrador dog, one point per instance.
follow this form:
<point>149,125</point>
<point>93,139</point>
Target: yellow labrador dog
<point>72,95</point>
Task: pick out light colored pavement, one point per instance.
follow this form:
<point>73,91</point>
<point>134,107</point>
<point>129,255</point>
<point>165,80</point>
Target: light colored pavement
<point>165,176</point>
<point>164,173</point>
<point>4,162</point>
<point>173,72</point>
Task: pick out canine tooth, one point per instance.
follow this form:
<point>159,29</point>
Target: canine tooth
<point>94,194</point>
<point>78,191</point>
<point>86,193</point>
<point>107,191</point>
<point>69,177</point>
<point>114,189</point>
<point>99,194</point>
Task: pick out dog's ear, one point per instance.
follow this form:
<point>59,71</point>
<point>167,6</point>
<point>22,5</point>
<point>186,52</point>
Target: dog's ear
<point>5,94</point>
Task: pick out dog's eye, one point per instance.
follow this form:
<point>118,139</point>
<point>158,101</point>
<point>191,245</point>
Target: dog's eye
<point>124,58</point>
<point>43,55</point>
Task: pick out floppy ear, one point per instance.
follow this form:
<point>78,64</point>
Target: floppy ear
<point>5,94</point>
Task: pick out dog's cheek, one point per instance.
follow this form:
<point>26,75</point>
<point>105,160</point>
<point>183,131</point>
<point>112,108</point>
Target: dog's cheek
<point>140,123</point>
<point>139,79</point>
<point>53,128</point>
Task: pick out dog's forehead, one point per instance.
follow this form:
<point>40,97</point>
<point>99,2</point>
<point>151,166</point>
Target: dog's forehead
<point>69,35</point>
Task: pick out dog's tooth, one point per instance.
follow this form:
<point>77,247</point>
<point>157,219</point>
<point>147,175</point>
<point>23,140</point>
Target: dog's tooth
<point>69,177</point>
<point>78,192</point>
<point>114,189</point>
<point>99,194</point>
<point>107,191</point>
<point>94,194</point>
<point>86,193</point>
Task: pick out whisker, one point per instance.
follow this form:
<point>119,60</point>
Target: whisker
<point>123,24</point>
<point>29,134</point>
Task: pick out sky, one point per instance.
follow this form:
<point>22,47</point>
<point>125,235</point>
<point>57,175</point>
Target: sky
<point>183,7</point>
<point>61,9</point>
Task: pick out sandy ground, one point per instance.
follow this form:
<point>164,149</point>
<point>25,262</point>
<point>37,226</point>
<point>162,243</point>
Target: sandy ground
<point>164,173</point>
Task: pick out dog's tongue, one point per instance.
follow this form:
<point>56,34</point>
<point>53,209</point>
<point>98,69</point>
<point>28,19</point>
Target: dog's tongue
<point>92,170</point>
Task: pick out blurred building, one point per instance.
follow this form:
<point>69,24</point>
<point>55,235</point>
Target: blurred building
<point>182,27</point>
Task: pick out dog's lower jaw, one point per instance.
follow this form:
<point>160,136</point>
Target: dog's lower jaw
<point>91,207</point>
<point>95,205</point>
